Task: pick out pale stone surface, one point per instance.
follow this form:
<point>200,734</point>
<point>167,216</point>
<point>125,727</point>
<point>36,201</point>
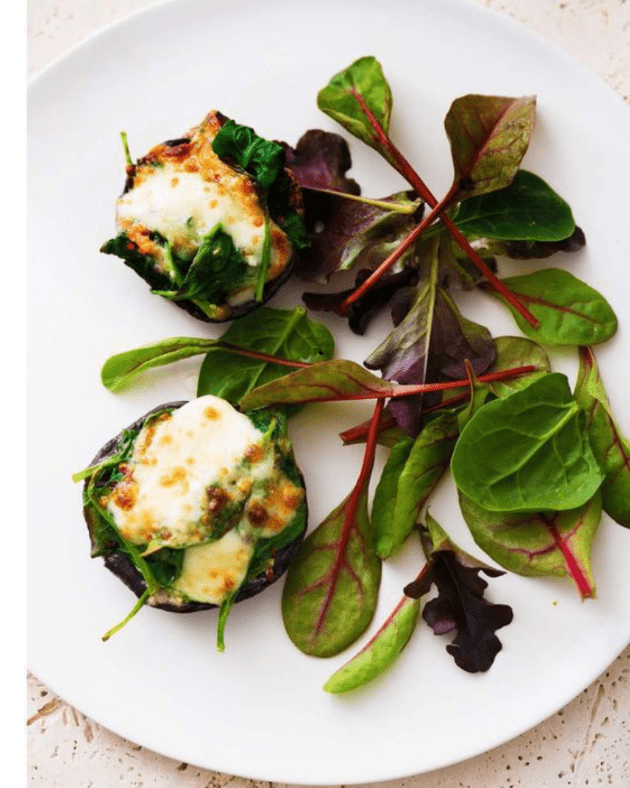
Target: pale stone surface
<point>588,742</point>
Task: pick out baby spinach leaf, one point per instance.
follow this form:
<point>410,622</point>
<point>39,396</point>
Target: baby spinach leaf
<point>528,452</point>
<point>569,311</point>
<point>288,334</point>
<point>419,465</point>
<point>355,96</point>
<point>489,136</point>
<point>331,588</point>
<point>610,447</point>
<point>526,210</point>
<point>538,544</point>
<point>382,650</point>
<point>460,605</point>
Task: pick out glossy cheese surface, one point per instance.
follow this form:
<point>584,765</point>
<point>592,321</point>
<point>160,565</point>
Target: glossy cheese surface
<point>176,458</point>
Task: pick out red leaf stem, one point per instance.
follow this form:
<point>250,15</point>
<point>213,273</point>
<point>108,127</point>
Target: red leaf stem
<point>241,351</point>
<point>351,509</point>
<point>412,177</point>
<point>576,572</point>
<point>358,433</point>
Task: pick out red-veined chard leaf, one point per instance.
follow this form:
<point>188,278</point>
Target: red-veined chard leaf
<point>359,99</point>
<point>569,311</point>
<point>460,606</point>
<point>610,446</point>
<point>331,588</point>
<point>381,651</point>
<point>288,334</point>
<point>410,475</point>
<point>255,345</point>
<point>338,379</point>
<point>526,210</point>
<point>528,452</point>
<point>539,544</point>
<point>489,136</point>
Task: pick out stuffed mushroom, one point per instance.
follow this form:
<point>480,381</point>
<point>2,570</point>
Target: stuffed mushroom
<point>196,505</point>
<point>211,220</point>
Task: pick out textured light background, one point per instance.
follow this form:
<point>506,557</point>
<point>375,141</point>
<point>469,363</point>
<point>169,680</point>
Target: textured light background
<point>585,744</point>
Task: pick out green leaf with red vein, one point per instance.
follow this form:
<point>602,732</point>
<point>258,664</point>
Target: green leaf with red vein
<point>331,588</point>
<point>489,136</point>
<point>359,98</point>
<point>610,447</point>
<point>539,544</point>
<point>409,477</point>
<point>569,311</point>
<point>327,381</point>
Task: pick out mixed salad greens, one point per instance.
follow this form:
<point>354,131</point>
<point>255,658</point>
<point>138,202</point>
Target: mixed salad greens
<point>534,462</point>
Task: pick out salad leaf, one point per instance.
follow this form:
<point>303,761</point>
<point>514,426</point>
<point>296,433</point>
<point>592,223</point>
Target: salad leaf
<point>526,210</point>
<point>290,336</point>
<point>331,588</point>
<point>359,233</point>
<point>320,160</point>
<point>489,136</point>
<point>610,447</point>
<point>361,311</point>
<point>460,605</point>
<point>382,650</point>
<point>287,334</point>
<point>539,544</point>
<point>569,311</point>
<point>528,452</point>
<point>355,96</point>
<point>410,475</point>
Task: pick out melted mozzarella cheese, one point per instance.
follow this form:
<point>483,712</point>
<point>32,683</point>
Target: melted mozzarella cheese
<point>164,497</point>
<point>183,208</point>
<point>212,571</point>
<point>183,195</point>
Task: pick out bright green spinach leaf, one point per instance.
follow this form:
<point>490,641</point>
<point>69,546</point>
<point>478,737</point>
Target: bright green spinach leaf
<point>569,311</point>
<point>288,334</point>
<point>410,475</point>
<point>528,452</point>
<point>526,210</point>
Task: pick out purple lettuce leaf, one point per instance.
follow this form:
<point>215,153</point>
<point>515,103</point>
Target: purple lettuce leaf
<point>460,606</point>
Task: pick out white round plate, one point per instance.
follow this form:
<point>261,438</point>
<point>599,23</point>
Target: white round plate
<point>258,710</point>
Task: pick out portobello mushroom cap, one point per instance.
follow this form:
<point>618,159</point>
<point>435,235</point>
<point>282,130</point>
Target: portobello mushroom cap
<point>192,154</point>
<point>120,565</point>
